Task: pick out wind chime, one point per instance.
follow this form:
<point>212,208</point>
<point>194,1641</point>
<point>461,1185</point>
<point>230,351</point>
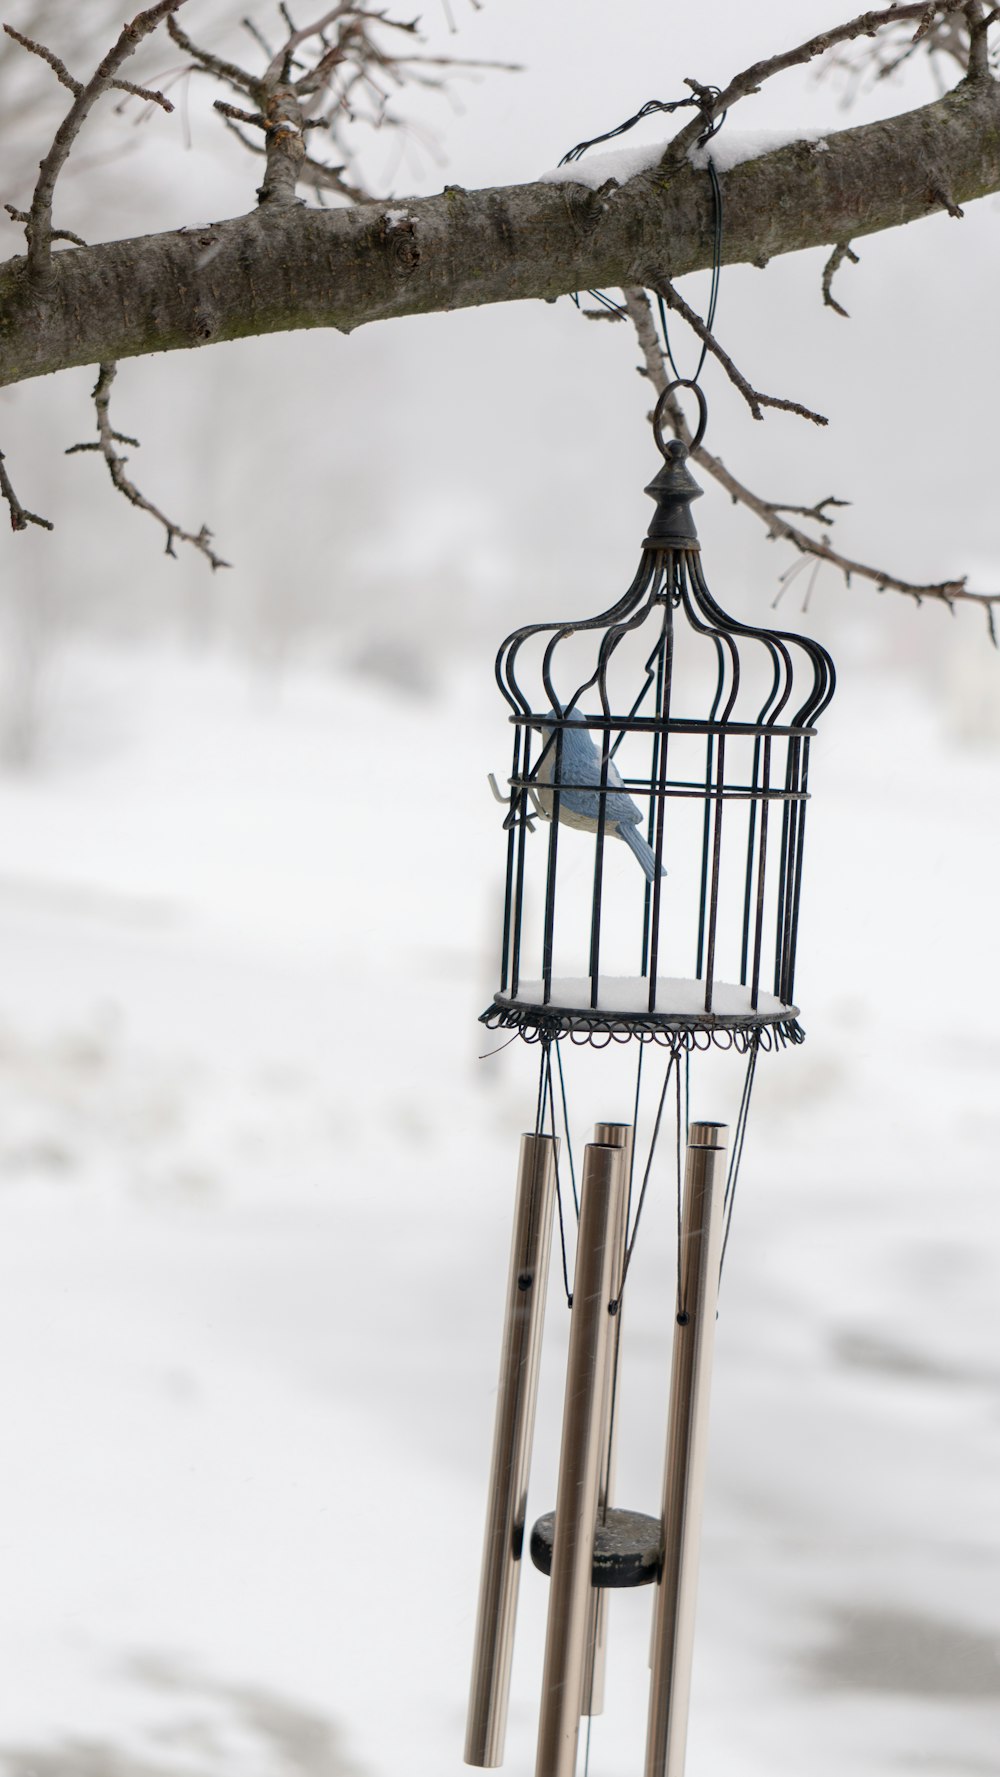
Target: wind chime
<point>655,823</point>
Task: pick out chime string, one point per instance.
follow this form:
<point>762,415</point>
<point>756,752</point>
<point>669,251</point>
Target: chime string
<point>615,1306</point>
<point>681,1145</point>
<point>739,1138</point>
<point>540,1106</point>
<point>631,1240</point>
<point>569,1142</point>
<point>635,1126</point>
<point>546,1112</point>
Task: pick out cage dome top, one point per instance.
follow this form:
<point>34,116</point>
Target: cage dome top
<point>683,733</point>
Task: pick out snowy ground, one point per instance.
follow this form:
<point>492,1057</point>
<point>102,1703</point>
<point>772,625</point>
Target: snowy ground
<point>253,1227</point>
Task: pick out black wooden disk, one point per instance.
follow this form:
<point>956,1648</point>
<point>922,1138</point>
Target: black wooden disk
<point>626,1548</point>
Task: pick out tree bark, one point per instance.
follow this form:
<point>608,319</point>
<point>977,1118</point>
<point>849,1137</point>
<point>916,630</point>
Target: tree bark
<point>287,267</point>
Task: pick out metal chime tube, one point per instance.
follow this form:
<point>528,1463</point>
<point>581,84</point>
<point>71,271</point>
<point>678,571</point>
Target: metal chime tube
<point>512,1438</point>
<point>579,1465</point>
<point>614,1135</point>
<point>687,1448</point>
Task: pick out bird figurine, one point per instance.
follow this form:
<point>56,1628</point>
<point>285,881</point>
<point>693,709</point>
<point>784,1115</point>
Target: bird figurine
<point>579,791</point>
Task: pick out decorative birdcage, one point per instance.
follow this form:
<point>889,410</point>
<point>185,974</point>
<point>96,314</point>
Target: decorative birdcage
<point>661,751</point>
<point>655,821</point>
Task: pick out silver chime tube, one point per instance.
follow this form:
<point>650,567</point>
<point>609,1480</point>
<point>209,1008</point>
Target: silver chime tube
<point>512,1439</point>
<point>579,1465</point>
<point>687,1448</point>
<point>614,1135</point>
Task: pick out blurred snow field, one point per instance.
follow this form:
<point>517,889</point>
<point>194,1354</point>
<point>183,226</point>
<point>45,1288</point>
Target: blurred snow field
<point>254,1216</point>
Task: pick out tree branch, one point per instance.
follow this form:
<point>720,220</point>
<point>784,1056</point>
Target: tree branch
<point>39,228</point>
<point>841,251</point>
<point>227,72</point>
<point>948,592</point>
<point>866,24</point>
<point>285,146</point>
<point>20,517</point>
<point>59,68</point>
<point>65,78</point>
<point>753,397</point>
<point>106,441</point>
<point>287,267</point>
<point>56,234</point>
<point>297,79</point>
<point>978,22</point>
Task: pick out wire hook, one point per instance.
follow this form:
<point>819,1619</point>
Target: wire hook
<point>680,382</point>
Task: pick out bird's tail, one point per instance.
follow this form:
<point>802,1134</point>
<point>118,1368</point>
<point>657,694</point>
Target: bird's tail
<point>629,831</point>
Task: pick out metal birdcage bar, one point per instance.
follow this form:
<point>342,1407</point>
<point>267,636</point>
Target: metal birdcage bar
<point>665,728</point>
<point>572,728</point>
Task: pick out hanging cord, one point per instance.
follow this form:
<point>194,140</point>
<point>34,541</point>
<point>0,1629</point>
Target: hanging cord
<point>737,1156</point>
<point>703,99</point>
<point>713,293</point>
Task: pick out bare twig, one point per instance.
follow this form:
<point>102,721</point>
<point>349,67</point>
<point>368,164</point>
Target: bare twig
<point>212,64</point>
<point>20,517</point>
<point>237,112</point>
<point>59,68</point>
<point>57,234</point>
<point>39,227</point>
<point>947,202</point>
<point>314,172</point>
<point>258,36</point>
<point>817,513</point>
<point>843,250</point>
<point>948,36</point>
<point>753,397</point>
<point>332,73</point>
<point>867,24</point>
<point>65,78</point>
<point>947,592</point>
<point>107,438</point>
<point>149,93</point>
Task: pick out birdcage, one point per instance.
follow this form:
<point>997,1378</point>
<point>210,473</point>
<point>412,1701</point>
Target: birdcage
<point>661,755</point>
<point>655,821</point>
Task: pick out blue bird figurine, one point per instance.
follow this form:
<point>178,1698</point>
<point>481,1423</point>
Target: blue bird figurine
<point>580,805</point>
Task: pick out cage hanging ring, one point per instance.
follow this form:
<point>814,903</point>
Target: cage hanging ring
<point>680,382</point>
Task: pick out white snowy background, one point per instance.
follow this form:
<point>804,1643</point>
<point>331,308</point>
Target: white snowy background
<point>256,1181</point>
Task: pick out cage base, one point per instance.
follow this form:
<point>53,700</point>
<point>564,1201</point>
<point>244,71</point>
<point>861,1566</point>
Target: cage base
<point>678,1016</point>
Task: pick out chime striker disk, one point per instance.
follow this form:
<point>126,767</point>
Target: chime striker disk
<point>626,1548</point>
